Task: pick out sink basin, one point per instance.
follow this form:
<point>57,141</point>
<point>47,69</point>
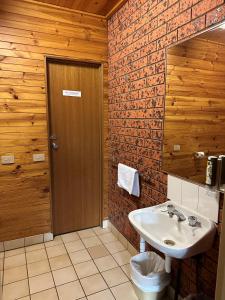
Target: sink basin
<point>173,238</point>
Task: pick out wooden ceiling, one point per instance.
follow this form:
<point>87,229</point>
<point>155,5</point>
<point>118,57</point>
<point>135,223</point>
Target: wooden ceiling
<point>99,7</point>
<point>216,35</point>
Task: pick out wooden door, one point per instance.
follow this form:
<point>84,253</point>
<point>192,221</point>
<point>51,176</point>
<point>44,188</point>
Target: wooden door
<point>75,144</point>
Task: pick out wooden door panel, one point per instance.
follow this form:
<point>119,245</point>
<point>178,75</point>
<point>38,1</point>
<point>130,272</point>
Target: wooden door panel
<point>76,164</point>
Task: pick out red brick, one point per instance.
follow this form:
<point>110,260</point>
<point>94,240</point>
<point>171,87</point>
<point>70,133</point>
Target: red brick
<point>155,79</point>
<point>191,28</point>
<point>157,33</point>
<point>168,14</point>
<point>185,4</point>
<point>147,92</point>
<point>180,20</point>
<point>160,66</point>
<point>155,102</point>
<point>157,9</point>
<point>167,40</point>
<point>205,6</point>
<point>215,16</point>
<point>171,2</point>
<point>147,71</point>
<point>138,84</point>
<point>156,56</point>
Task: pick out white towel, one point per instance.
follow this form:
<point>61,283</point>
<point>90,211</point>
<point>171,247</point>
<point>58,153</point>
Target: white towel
<point>128,179</point>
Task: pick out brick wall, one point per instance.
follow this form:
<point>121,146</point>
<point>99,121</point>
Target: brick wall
<point>138,36</point>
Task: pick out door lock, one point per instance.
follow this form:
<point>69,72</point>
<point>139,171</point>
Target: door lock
<point>53,137</point>
<point>55,146</point>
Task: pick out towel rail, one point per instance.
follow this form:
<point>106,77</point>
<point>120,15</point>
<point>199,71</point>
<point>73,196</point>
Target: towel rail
<point>142,177</point>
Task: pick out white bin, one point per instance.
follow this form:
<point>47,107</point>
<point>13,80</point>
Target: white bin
<point>149,276</point>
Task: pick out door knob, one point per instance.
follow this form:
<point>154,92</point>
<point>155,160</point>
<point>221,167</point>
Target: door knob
<point>55,146</point>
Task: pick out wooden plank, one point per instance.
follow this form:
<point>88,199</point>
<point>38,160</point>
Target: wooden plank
<point>21,61</point>
<point>26,142</point>
<point>21,75</point>
<point>86,52</point>
<point>23,89</point>
<point>196,63</point>
<point>11,82</point>
<point>12,94</point>
<point>34,29</point>
<point>70,45</point>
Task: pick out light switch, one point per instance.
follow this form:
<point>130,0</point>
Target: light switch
<point>39,157</point>
<point>7,159</point>
<point>176,148</point>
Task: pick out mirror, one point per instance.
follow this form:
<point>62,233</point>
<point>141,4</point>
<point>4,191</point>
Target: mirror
<point>194,126</point>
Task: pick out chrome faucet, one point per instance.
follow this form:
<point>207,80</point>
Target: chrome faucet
<point>193,222</point>
<point>173,211</point>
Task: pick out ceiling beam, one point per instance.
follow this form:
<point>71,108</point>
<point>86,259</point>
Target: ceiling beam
<point>115,8</point>
<point>108,16</point>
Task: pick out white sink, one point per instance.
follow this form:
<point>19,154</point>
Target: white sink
<point>173,238</point>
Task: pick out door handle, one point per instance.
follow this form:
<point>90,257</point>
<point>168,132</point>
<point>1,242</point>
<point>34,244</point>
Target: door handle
<point>55,146</point>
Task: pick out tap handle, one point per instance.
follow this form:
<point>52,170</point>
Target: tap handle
<point>193,221</point>
<point>170,208</point>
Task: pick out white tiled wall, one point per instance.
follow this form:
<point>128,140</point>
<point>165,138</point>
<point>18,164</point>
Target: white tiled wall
<point>198,198</point>
<point>174,189</point>
<point>208,204</point>
<point>189,194</point>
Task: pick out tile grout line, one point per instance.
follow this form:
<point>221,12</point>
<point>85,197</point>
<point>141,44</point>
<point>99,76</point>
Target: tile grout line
<point>101,277</point>
<point>47,259</point>
<point>118,266</point>
<point>27,274</point>
<point>3,271</point>
<point>68,254</point>
<point>102,244</point>
<point>74,267</point>
<point>96,268</point>
<point>51,272</point>
<point>28,278</point>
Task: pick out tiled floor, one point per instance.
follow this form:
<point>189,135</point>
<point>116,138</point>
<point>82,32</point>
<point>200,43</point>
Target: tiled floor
<point>90,264</point>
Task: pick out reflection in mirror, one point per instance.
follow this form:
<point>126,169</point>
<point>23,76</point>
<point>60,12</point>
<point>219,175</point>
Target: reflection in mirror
<point>194,127</point>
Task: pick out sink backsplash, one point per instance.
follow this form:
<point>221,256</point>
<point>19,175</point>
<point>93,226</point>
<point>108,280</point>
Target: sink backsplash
<point>198,198</point>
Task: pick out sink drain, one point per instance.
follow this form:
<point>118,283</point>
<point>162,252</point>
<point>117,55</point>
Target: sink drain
<point>169,242</point>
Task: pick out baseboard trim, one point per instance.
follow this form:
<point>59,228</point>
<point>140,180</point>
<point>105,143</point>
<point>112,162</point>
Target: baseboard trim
<point>27,241</point>
<point>122,239</point>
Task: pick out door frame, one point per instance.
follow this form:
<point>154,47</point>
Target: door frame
<point>67,60</point>
<point>220,281</point>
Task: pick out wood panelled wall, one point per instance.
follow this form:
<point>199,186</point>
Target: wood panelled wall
<point>28,32</point>
<point>195,106</point>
